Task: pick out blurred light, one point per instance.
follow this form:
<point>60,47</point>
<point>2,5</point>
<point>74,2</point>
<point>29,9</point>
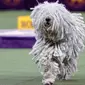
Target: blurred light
<point>75,3</point>
<point>78,1</point>
<point>11,2</point>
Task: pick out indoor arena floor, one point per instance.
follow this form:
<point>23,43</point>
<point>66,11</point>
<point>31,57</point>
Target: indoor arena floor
<point>16,65</point>
<point>17,68</point>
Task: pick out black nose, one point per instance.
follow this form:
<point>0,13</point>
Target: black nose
<point>48,19</point>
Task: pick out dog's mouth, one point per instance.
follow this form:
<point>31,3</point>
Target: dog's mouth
<point>47,24</point>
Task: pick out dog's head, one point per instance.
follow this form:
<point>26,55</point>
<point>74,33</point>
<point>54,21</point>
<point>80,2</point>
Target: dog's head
<point>51,16</point>
<point>56,18</point>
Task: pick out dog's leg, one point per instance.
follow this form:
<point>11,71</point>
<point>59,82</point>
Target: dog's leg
<point>61,67</point>
<point>70,67</point>
<point>51,69</point>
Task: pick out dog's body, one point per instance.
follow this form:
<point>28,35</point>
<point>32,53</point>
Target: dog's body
<point>59,39</point>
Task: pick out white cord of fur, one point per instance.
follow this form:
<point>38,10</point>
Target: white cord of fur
<point>66,25</point>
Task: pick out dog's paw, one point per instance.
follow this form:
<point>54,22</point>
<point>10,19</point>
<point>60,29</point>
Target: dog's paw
<point>49,83</point>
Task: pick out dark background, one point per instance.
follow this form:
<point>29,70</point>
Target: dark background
<point>73,5</point>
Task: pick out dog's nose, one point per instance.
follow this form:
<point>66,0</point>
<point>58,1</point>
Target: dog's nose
<point>48,19</point>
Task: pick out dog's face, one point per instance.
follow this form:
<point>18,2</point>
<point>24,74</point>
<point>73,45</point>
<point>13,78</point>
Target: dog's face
<point>53,18</point>
<point>47,21</point>
<point>49,16</point>
<point>44,15</point>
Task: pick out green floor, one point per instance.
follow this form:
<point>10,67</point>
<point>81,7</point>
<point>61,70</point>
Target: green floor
<point>17,68</point>
<point>8,19</point>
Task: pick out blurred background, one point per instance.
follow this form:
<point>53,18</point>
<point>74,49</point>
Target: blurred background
<point>17,39</point>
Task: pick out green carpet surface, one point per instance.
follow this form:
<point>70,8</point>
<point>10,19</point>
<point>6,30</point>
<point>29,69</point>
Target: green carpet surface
<point>17,68</point>
<point>8,19</point>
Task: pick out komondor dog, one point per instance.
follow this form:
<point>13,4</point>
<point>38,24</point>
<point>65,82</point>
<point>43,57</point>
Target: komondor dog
<point>59,39</point>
